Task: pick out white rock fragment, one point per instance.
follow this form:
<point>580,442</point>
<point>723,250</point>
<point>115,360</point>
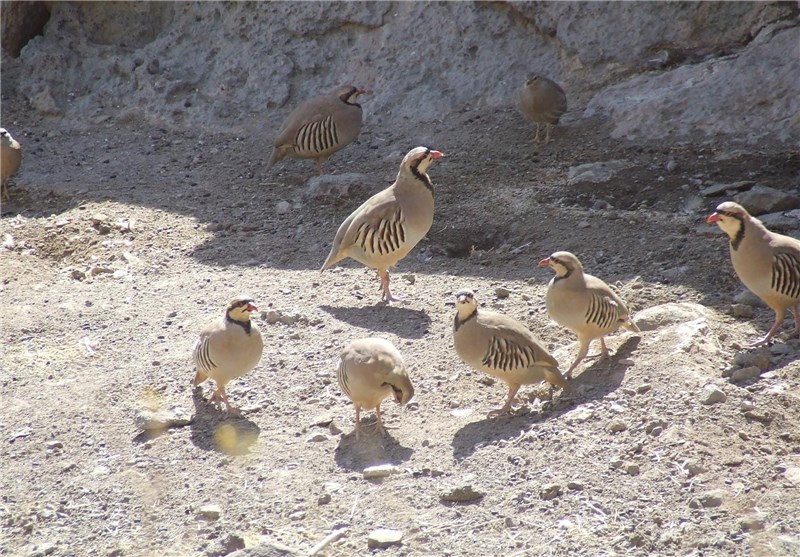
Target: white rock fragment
<point>384,537</point>
<point>209,512</point>
<point>712,395</point>
<point>380,471</point>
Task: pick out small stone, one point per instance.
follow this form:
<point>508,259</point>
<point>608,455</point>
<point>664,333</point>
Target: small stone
<point>575,485</point>
<point>487,380</point>
<point>225,546</point>
<point>322,420</point>
<point>693,468</point>
<point>643,388</point>
<point>154,420</point>
<point>708,500</point>
<point>283,208</point>
<point>317,438</point>
<point>752,523</point>
<point>410,279</point>
<point>8,242</point>
<point>792,473</point>
<point>748,298</point>
<point>632,469</point>
<point>77,274</point>
<point>781,349</point>
<point>719,189</point>
<point>615,426</point>
<point>324,499</point>
<point>742,310</point>
<point>759,358</point>
<point>271,316</point>
<point>383,538</point>
<point>584,224</point>
<point>712,395</point>
<point>209,512</point>
<point>380,471</point>
<point>297,515</point>
<point>463,494</point>
<point>549,491</point>
<point>502,292</point>
<point>745,374</point>
<point>42,549</point>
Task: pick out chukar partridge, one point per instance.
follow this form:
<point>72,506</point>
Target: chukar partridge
<point>10,159</point>
<point>371,370</point>
<point>228,347</point>
<point>502,347</point>
<point>542,101</point>
<point>584,304</point>
<point>389,224</point>
<point>767,263</point>
<point>320,126</point>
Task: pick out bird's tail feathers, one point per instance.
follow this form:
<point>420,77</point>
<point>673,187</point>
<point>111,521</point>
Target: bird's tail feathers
<point>199,377</point>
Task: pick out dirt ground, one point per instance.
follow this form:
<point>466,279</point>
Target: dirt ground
<point>122,240</point>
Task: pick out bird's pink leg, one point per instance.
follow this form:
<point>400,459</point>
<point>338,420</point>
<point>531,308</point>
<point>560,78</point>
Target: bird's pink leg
<point>605,354</point>
<point>796,313</point>
<point>584,349</point>
<point>358,421</point>
<point>387,294</point>
<point>779,315</point>
<point>512,392</point>
<point>379,423</point>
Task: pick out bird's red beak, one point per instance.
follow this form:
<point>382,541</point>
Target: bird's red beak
<point>362,91</point>
<point>544,262</point>
<point>714,217</point>
<point>436,154</point>
<point>251,307</point>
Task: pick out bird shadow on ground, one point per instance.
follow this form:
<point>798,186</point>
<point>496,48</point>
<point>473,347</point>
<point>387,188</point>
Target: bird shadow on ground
<point>370,449</point>
<point>215,430</point>
<point>590,385</point>
<point>403,322</point>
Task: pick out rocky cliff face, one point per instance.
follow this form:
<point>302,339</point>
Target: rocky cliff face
<point>678,70</point>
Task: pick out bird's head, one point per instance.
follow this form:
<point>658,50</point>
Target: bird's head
<point>403,392</point>
<point>532,80</point>
<point>729,216</point>
<point>240,308</point>
<point>419,159</point>
<point>7,140</point>
<point>465,302</point>
<point>562,262</point>
<point>348,93</point>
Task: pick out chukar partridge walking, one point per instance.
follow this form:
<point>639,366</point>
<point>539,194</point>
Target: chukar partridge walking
<point>320,126</point>
<point>584,304</point>
<point>10,159</point>
<point>502,347</point>
<point>542,101</point>
<point>228,347</point>
<point>767,263</point>
<point>371,370</point>
<point>389,224</point>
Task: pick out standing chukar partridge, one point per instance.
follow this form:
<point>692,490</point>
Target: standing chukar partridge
<point>767,263</point>
<point>542,101</point>
<point>10,159</point>
<point>371,370</point>
<point>389,224</point>
<point>228,347</point>
<point>320,126</point>
<point>502,347</point>
<point>584,304</point>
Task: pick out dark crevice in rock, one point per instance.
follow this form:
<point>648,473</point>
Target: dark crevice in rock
<point>22,21</point>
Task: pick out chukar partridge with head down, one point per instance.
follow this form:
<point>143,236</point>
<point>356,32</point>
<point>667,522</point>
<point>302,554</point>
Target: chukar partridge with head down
<point>10,159</point>
<point>502,347</point>
<point>542,101</point>
<point>584,304</point>
<point>228,347</point>
<point>371,370</point>
<point>389,224</point>
<point>320,126</point>
<point>767,263</point>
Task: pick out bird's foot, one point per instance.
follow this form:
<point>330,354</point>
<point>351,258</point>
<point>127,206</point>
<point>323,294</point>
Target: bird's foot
<point>766,341</point>
<point>500,412</point>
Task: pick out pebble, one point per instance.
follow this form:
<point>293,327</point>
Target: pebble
<point>225,546</point>
<point>384,537</point>
<point>745,374</point>
<point>742,310</point>
<point>632,469</point>
<point>324,499</point>
<point>283,207</point>
<point>615,426</point>
<point>154,420</point>
<point>748,298</point>
<point>410,279</point>
<point>792,473</point>
<point>209,512</point>
<point>42,549</point>
<point>380,471</point>
<point>693,468</point>
<point>751,523</point>
<point>781,349</point>
<point>317,438</point>
<point>502,292</point>
<point>712,395</point>
<point>462,494</point>
<point>575,485</point>
<point>708,500</point>
<point>549,491</point>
